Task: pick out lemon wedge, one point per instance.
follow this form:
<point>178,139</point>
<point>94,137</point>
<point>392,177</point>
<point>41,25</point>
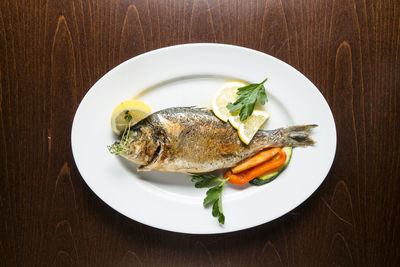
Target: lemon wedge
<point>224,95</point>
<point>248,128</point>
<point>128,113</point>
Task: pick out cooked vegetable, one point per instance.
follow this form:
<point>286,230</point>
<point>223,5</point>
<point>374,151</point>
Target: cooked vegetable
<point>271,175</point>
<point>248,96</point>
<point>248,175</point>
<point>256,160</point>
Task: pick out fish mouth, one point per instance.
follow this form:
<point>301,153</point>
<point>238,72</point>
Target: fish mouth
<point>154,160</point>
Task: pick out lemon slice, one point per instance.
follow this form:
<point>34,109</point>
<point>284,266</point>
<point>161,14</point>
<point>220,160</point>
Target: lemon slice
<point>128,113</point>
<point>224,95</point>
<point>235,121</point>
<point>248,128</point>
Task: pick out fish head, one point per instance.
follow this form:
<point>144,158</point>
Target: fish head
<point>141,144</point>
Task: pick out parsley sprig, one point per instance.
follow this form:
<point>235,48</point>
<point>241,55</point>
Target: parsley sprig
<point>214,194</point>
<point>248,96</point>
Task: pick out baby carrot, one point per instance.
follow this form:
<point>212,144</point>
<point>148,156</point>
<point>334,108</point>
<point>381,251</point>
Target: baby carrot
<point>255,160</point>
<point>249,174</point>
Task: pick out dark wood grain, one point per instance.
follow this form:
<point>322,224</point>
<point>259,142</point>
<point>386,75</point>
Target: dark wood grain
<point>52,52</point>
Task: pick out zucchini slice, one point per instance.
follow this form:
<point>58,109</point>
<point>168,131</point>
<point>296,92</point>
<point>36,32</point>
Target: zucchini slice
<point>270,176</point>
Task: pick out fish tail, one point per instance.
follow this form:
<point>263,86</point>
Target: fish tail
<point>298,135</point>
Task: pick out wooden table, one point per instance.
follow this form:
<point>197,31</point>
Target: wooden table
<point>52,52</point>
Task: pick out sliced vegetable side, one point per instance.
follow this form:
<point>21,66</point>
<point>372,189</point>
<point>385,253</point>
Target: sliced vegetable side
<point>249,174</point>
<point>273,174</point>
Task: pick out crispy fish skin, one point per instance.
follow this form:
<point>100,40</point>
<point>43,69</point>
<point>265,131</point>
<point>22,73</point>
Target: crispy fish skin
<point>193,140</point>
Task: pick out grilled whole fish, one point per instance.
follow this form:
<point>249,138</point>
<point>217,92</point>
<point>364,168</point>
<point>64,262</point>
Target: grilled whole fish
<point>193,140</point>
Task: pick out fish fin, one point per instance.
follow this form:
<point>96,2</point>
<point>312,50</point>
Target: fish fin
<point>298,135</point>
<point>199,108</point>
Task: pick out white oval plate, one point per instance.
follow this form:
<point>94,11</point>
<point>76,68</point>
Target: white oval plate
<point>187,75</point>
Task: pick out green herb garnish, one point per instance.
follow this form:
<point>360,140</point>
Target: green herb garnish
<point>121,147</point>
<point>248,96</point>
<point>214,194</point>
